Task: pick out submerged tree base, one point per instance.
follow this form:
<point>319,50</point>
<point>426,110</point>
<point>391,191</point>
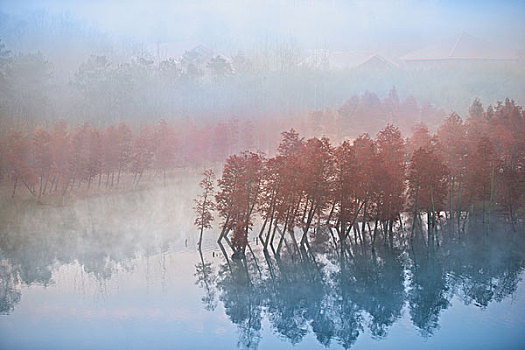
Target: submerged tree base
<point>238,255</point>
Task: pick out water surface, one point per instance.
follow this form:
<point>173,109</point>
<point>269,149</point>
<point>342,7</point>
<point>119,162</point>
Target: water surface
<point>123,271</point>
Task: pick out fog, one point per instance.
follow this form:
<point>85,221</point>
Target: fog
<point>262,174</point>
<point>135,61</point>
<point>234,24</point>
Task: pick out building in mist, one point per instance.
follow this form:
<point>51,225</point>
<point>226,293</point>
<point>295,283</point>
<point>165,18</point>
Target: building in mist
<point>378,62</point>
<point>463,50</point>
<point>344,60</point>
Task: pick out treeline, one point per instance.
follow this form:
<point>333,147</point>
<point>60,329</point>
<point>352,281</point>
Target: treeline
<point>369,113</point>
<point>65,158</point>
<point>466,170</point>
<point>60,155</point>
<point>109,88</point>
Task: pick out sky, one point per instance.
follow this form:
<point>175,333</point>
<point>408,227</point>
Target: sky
<point>384,26</point>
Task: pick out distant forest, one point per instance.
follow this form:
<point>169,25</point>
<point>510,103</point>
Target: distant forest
<point>88,152</point>
<point>273,81</point>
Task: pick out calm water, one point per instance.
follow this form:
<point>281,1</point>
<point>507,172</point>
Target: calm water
<point>123,272</point>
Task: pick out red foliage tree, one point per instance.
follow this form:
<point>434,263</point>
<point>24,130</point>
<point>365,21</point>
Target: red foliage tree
<point>316,168</point>
<point>427,184</point>
<point>124,146</point>
<point>366,181</point>
<point>61,151</point>
<point>17,159</point>
<point>204,205</point>
<point>95,157</point>
<point>143,153</point>
<point>420,138</point>
<point>165,147</point>
<point>270,195</point>
<point>291,193</point>
<point>345,202</point>
<point>79,154</point>
<point>238,193</point>
<point>110,164</point>
<point>42,158</point>
<point>507,127</point>
<point>391,156</point>
<point>453,147</point>
<point>239,239</point>
<point>480,174</point>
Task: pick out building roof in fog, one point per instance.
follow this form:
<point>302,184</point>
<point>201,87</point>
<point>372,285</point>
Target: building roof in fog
<point>461,47</point>
<point>346,59</point>
<point>377,61</point>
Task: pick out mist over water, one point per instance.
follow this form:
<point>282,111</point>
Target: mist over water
<point>122,270</point>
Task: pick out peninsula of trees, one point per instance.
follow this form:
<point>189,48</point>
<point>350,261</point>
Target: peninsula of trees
<point>472,170</point>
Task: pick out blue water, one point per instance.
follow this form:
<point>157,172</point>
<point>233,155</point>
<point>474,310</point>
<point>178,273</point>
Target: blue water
<point>69,285</point>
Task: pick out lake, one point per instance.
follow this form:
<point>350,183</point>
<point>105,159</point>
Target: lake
<point>123,271</point>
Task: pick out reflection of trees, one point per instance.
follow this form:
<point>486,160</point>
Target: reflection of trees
<point>28,256</point>
<point>428,287</point>
<point>9,288</point>
<point>242,302</point>
<point>347,315</point>
<point>485,267</point>
<point>334,293</point>
<point>31,257</point>
<point>348,322</point>
<point>206,279</point>
<point>295,296</point>
<point>377,287</point>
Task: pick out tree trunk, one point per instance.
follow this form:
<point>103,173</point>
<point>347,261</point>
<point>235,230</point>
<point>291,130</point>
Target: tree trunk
<point>200,237</point>
<point>331,213</point>
<point>374,237</point>
<point>14,187</point>
<point>364,217</point>
<point>353,220</point>
<point>311,213</point>
<point>491,200</point>
<point>40,189</point>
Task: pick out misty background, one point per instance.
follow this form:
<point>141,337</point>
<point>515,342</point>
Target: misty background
<point>135,61</point>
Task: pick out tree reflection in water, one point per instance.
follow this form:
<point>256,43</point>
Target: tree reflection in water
<point>29,258</point>
<point>333,293</point>
<point>429,290</point>
<point>337,293</point>
<point>206,279</point>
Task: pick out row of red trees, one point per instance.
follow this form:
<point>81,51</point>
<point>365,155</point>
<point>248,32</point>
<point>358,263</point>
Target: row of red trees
<point>54,159</point>
<point>466,169</point>
<point>61,159</point>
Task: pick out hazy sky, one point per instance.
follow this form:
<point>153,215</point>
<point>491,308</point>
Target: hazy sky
<point>394,26</point>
